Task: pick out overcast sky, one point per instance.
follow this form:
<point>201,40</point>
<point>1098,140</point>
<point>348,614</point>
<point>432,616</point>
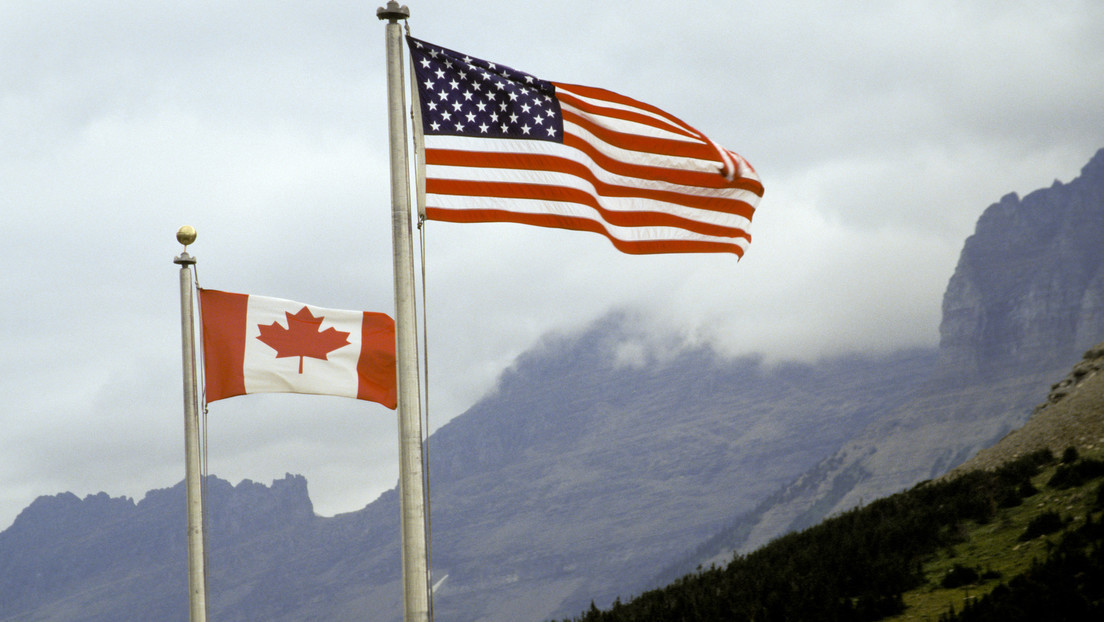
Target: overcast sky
<point>880,130</point>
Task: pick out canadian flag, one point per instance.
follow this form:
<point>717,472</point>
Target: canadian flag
<point>256,344</point>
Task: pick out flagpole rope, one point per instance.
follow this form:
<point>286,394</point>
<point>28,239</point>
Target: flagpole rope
<point>202,435</point>
<point>425,429</point>
<point>415,118</point>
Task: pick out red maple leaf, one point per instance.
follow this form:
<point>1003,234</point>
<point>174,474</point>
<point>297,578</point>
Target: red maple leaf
<point>302,337</point>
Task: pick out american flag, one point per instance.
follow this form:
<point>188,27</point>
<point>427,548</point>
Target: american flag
<point>502,145</point>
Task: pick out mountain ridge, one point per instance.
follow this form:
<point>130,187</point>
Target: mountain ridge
<point>583,474</point>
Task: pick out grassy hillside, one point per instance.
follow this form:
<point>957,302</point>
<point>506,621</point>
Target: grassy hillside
<point>1021,551</point>
<point>986,545</point>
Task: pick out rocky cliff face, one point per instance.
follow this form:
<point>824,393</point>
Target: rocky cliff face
<point>1028,291</point>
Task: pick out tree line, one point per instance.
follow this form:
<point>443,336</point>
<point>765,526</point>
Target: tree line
<point>857,566</point>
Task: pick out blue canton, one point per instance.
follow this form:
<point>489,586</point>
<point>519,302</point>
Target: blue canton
<point>465,96</point>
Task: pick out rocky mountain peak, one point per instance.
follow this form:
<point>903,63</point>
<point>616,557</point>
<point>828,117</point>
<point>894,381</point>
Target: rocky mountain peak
<point>65,513</point>
<point>1028,290</point>
<point>251,506</point>
<point>1094,170</point>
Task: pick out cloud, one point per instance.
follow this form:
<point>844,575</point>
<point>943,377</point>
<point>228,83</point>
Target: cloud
<point>881,132</point>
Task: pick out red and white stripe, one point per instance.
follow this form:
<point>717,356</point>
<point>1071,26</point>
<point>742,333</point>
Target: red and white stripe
<point>627,170</point>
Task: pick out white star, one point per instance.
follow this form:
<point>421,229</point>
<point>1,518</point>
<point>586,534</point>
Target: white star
<point>513,96</point>
<point>446,115</point>
<point>525,108</point>
<point>454,84</point>
<point>425,63</point>
<point>435,125</point>
<point>459,127</point>
<point>457,106</point>
<point>513,118</point>
<point>525,128</point>
<point>443,95</point>
<point>483,128</point>
<point>467,95</point>
<point>551,132</point>
<point>440,73</point>
<point>471,117</point>
<point>428,84</point>
<point>482,106</point>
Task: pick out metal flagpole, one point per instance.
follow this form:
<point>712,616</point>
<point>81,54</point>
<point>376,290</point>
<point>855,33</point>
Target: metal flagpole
<point>197,591</point>
<point>411,484</point>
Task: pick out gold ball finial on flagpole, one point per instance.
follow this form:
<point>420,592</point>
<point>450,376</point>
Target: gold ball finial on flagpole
<point>186,235</point>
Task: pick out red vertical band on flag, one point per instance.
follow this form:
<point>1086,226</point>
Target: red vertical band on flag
<point>376,365</point>
<point>223,316</point>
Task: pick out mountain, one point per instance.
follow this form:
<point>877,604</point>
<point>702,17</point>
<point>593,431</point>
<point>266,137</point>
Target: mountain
<point>1072,416</point>
<point>585,475</point>
<point>573,482</point>
<point>1023,304</point>
<point>579,478</point>
<point>104,558</point>
<point>1012,534</point>
<point>1028,291</point>
<point>1019,543</point>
